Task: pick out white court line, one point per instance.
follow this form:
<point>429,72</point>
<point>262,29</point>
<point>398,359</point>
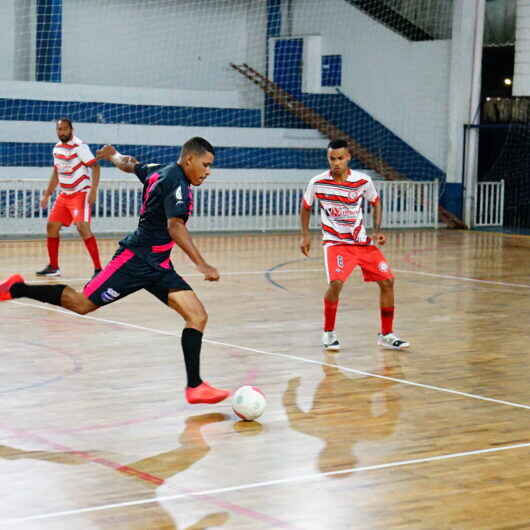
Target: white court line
<point>464,279</point>
<point>284,356</point>
<point>290,271</point>
<point>277,482</point>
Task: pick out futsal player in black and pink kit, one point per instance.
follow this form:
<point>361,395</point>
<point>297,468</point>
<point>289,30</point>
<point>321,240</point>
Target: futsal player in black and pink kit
<point>142,260</point>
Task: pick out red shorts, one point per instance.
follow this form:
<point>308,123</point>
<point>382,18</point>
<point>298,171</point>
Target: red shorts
<point>68,209</point>
<point>340,260</point>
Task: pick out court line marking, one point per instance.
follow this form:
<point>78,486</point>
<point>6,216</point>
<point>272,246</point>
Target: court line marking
<point>255,485</point>
<point>148,477</point>
<point>282,355</point>
<point>291,271</point>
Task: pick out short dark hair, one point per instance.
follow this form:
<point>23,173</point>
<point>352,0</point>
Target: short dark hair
<point>198,146</point>
<point>67,120</point>
<point>338,144</point>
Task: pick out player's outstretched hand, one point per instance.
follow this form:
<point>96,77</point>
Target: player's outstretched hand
<point>210,273</point>
<point>379,238</point>
<point>305,245</point>
<point>106,152</point>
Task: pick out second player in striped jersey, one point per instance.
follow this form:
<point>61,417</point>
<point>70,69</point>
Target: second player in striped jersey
<point>76,172</point>
<point>340,192</point>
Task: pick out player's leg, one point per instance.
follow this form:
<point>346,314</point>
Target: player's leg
<point>339,266</point>
<point>91,244</point>
<point>81,216</point>
<point>188,305</point>
<point>61,295</point>
<point>376,269</point>
<point>53,227</point>
<point>177,294</point>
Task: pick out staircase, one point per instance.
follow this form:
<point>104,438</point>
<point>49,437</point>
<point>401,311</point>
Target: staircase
<point>315,120</point>
<point>416,20</point>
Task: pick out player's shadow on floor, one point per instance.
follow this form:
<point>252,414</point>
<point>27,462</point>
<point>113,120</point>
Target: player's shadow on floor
<point>154,470</point>
<point>346,410</point>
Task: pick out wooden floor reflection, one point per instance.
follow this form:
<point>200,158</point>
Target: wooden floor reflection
<point>95,432</point>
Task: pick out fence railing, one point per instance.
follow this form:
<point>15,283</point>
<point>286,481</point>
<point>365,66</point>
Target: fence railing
<point>489,204</point>
<point>218,206</point>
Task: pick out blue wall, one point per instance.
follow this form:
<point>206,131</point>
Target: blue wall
<point>93,112</point>
<point>40,155</point>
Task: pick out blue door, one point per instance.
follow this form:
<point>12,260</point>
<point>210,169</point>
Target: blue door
<point>288,64</point>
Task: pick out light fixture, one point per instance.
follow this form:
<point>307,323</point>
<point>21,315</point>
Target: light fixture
<point>507,81</point>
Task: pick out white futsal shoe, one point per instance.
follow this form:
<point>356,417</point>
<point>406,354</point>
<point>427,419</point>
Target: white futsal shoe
<point>391,342</point>
<point>330,341</point>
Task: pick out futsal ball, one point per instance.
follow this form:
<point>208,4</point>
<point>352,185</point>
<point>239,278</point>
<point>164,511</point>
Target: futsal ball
<point>248,402</point>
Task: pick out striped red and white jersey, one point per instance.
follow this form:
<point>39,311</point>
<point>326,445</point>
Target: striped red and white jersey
<point>72,161</point>
<point>340,203</point>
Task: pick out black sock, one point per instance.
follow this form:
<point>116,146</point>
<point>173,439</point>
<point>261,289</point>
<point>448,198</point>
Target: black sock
<point>51,294</point>
<point>191,341</point>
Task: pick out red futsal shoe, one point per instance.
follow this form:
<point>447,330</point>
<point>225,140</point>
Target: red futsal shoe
<point>204,393</point>
<point>6,285</point>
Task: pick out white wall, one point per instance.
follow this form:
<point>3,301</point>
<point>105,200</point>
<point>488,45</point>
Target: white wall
<point>96,133</point>
<point>402,84</point>
<point>185,44</point>
<point>521,80</point>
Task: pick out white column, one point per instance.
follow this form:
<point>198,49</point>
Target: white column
<point>464,94</point>
<point>521,78</point>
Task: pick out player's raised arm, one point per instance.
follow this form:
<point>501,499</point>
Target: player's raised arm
<point>181,236</point>
<point>124,163</point>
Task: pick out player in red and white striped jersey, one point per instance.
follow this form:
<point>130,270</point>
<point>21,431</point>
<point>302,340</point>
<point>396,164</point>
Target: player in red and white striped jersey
<point>76,171</point>
<point>340,192</point>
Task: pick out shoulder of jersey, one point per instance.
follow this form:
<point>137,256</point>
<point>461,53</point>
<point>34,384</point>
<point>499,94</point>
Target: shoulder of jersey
<point>320,176</point>
<point>359,175</point>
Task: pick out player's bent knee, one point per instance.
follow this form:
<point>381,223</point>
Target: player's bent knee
<point>197,320</point>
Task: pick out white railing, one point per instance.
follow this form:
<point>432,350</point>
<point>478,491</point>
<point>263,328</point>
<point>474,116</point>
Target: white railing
<point>218,206</point>
<point>489,204</point>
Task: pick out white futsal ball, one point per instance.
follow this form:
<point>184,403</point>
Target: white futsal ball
<point>248,402</point>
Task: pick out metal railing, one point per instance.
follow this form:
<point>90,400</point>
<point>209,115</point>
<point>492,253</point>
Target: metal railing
<point>489,204</point>
<point>218,206</point>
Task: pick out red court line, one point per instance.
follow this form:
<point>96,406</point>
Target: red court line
<point>148,477</point>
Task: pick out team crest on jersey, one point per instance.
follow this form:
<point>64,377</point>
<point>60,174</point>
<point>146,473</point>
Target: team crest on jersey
<point>178,194</point>
<point>353,195</point>
<point>383,266</point>
<point>109,295</point>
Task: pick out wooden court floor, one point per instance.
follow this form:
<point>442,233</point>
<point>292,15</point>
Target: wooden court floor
<point>95,432</point>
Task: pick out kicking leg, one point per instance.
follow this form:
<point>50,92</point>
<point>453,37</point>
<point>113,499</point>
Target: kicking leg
<point>61,295</point>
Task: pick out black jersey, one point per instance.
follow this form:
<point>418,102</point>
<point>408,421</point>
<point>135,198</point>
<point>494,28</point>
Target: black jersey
<point>166,194</point>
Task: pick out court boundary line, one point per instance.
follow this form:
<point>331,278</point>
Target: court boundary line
<point>283,355</point>
<point>287,480</point>
<point>290,271</point>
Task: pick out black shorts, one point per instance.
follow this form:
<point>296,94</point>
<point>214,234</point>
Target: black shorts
<point>127,273</point>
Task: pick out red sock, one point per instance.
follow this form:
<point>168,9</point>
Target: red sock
<point>330,312</point>
<point>92,246</point>
<point>387,320</point>
<point>53,251</point>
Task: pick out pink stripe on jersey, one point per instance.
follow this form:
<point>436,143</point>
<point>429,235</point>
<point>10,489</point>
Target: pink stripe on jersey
<point>165,264</point>
<point>117,263</point>
<point>163,248</point>
<point>151,181</point>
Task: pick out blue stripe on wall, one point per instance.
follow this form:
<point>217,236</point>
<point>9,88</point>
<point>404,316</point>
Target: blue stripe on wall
<point>48,40</point>
<point>274,18</point>
<point>93,112</point>
<point>40,155</point>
